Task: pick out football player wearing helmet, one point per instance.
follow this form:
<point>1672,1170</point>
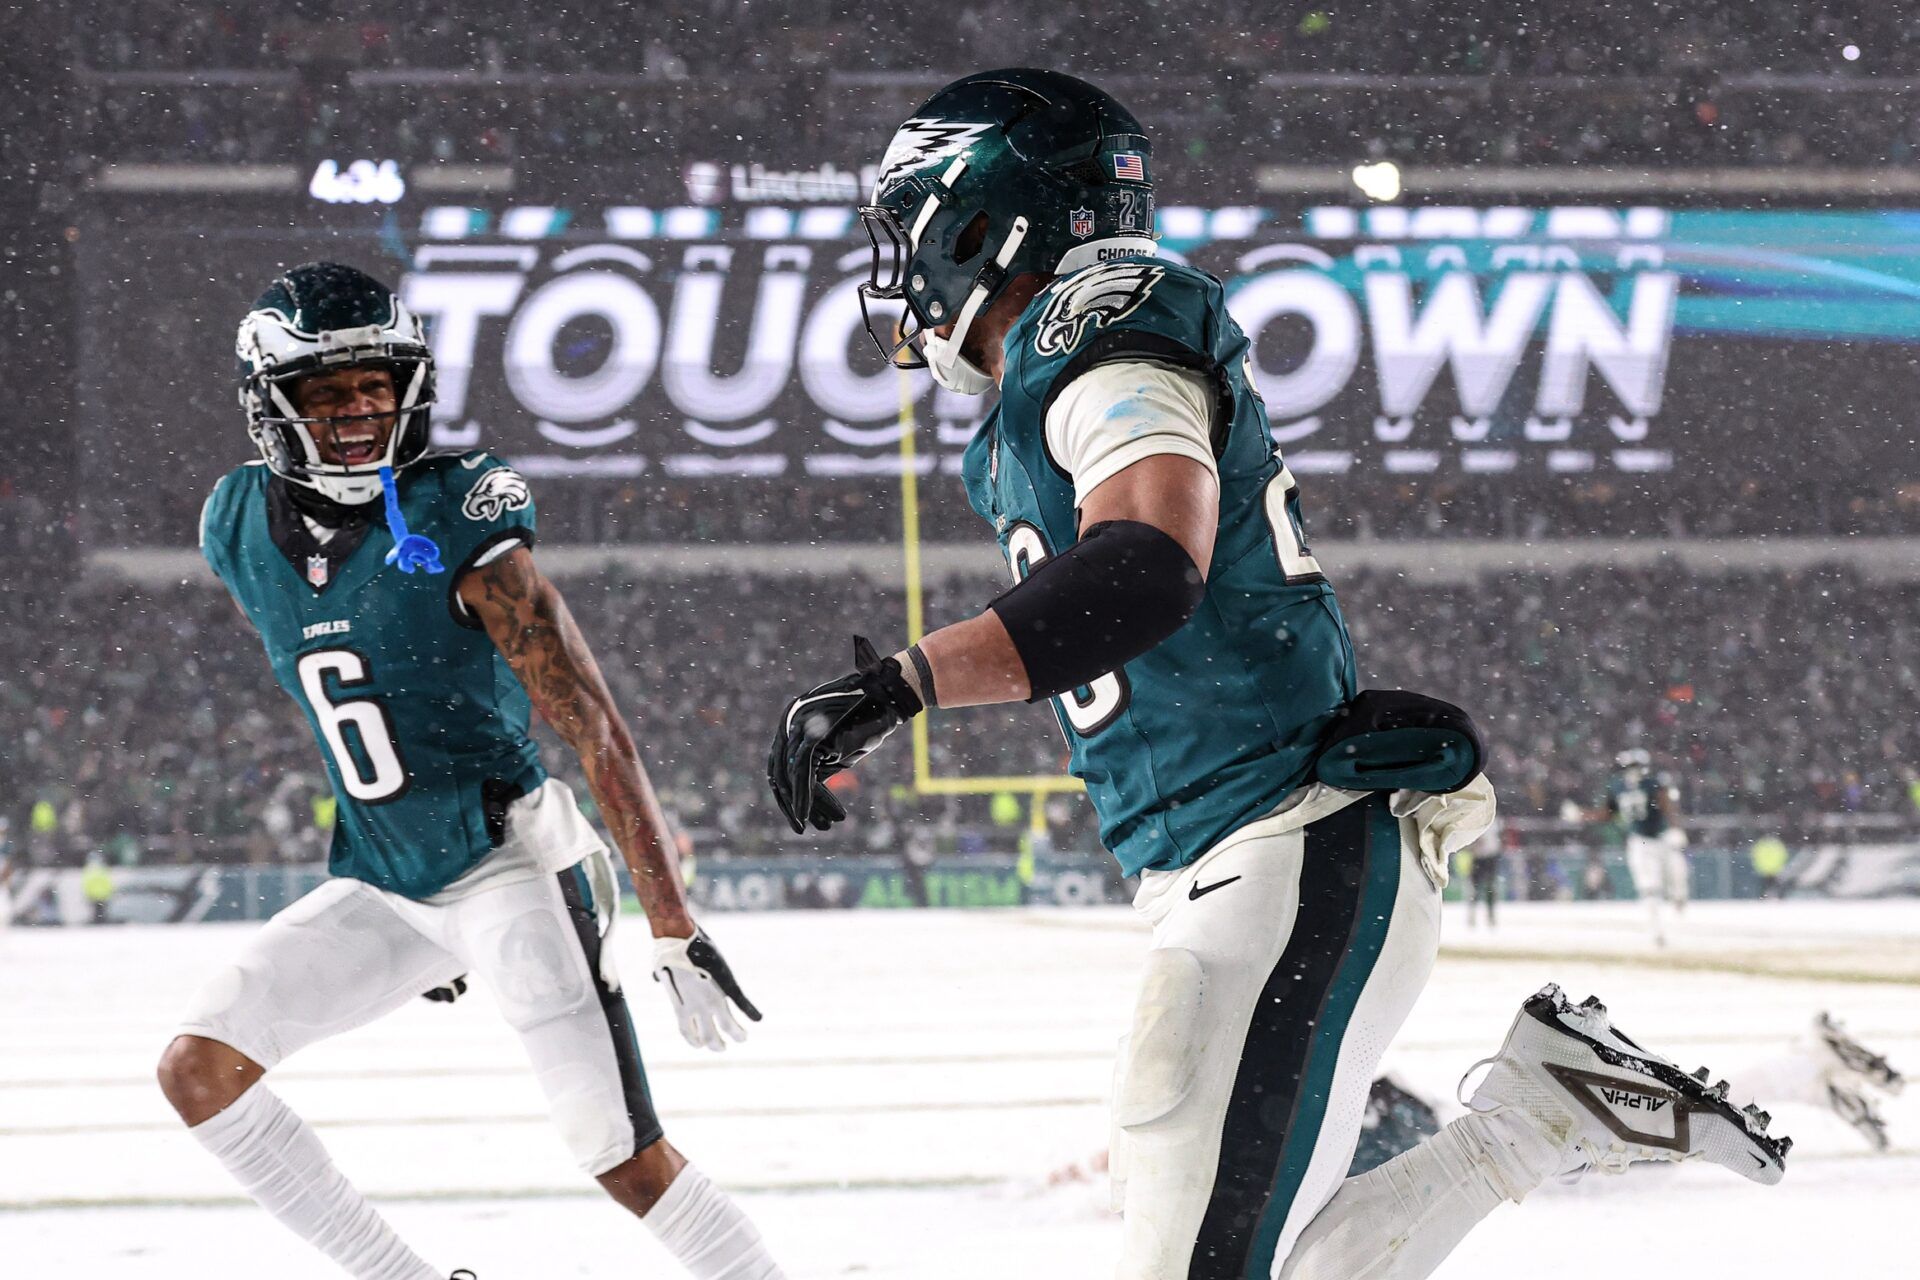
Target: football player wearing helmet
<point>453,851</point>
<point>1290,832</point>
<point>1645,802</point>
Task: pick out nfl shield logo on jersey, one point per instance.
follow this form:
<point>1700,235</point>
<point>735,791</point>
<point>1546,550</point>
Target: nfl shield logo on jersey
<point>1080,222</point>
<point>317,570</point>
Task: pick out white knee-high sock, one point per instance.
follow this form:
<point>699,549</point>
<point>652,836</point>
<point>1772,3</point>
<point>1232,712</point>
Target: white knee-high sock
<point>1401,1220</point>
<point>702,1227</point>
<point>280,1162</point>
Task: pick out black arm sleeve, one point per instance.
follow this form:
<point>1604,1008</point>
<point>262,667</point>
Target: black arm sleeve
<point>1113,595</point>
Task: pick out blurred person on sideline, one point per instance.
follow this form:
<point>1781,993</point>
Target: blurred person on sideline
<point>97,887</point>
<point>1484,857</point>
<point>1770,858</point>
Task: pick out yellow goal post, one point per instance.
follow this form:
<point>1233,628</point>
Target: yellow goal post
<point>1036,786</point>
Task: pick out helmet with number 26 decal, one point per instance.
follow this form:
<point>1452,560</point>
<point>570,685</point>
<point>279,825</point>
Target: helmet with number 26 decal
<point>315,319</point>
<point>998,175</point>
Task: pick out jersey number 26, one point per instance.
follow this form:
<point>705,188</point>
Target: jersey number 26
<point>1090,709</point>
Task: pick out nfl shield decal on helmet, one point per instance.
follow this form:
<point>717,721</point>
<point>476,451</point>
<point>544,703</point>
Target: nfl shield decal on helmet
<point>317,570</point>
<point>1080,223</point>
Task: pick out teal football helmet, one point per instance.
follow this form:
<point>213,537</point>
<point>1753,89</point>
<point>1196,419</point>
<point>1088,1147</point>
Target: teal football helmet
<point>318,317</point>
<point>999,175</point>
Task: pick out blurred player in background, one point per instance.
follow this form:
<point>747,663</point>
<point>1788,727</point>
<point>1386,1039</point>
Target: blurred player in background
<point>453,850</point>
<point>1483,858</point>
<point>1647,805</point>
<point>1291,833</point>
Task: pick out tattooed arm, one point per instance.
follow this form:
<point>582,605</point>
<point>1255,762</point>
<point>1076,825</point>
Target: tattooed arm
<point>532,627</point>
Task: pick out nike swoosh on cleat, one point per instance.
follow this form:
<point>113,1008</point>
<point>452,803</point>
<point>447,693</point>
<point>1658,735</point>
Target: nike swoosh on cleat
<point>1196,892</point>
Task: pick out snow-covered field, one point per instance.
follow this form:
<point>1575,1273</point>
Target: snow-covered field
<point>918,1076</point>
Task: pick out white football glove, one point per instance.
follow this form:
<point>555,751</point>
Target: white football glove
<point>701,985</point>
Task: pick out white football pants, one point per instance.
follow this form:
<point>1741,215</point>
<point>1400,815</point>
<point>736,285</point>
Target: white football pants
<point>349,953</point>
<point>1659,866</point>
<point>1283,962</point>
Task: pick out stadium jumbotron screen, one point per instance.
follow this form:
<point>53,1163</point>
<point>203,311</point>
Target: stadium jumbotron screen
<point>1487,347</point>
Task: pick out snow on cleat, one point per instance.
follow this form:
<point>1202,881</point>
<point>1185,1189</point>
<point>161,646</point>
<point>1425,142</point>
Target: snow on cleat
<point>1857,1109</point>
<point>1846,1054</point>
<point>1607,1103</point>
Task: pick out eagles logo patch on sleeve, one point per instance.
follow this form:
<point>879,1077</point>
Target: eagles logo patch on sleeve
<point>1093,299</point>
<point>494,494</point>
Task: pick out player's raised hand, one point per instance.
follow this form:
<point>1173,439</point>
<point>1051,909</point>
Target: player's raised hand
<point>701,984</point>
<point>832,727</point>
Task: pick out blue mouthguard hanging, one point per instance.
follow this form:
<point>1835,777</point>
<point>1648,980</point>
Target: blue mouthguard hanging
<point>410,550</point>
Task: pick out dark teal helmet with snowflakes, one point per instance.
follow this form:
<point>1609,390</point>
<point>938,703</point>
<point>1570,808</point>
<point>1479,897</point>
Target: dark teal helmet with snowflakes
<point>1001,174</point>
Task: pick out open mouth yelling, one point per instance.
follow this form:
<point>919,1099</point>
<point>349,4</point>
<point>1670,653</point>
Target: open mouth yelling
<point>356,445</point>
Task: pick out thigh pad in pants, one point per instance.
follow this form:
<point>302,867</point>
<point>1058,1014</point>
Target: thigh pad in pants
<point>535,949</point>
<point>337,959</point>
<point>1166,1042</point>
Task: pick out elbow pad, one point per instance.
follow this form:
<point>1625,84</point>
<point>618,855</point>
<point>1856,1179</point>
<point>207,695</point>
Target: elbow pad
<point>1104,601</point>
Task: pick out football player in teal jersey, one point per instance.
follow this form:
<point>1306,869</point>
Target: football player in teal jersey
<point>1291,832</point>
<point>397,597</point>
<point>1646,804</point>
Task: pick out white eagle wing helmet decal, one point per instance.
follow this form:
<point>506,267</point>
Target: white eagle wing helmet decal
<point>1093,299</point>
<point>922,141</point>
<point>494,494</point>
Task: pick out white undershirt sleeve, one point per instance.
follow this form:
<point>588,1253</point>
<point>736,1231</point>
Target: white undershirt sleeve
<point>485,558</point>
<point>1115,414</point>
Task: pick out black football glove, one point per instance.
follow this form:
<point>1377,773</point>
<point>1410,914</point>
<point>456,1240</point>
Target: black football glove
<point>832,727</point>
<point>449,993</point>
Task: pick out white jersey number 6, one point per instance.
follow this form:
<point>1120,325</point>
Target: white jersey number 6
<point>374,726</point>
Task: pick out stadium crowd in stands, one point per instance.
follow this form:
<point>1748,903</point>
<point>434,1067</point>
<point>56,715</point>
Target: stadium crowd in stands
<point>1411,37</point>
<point>1361,504</point>
<point>1684,82</point>
<point>148,728</point>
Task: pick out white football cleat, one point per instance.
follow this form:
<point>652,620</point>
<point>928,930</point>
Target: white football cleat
<point>1606,1102</point>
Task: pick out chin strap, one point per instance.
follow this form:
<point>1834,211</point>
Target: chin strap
<point>410,550</point>
<point>951,369</point>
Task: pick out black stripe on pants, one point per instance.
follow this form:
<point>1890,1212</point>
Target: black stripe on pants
<point>1267,1088</point>
<point>613,1005</point>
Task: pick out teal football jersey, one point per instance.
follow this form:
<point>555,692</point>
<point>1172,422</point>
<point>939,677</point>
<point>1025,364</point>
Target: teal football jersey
<point>1640,801</point>
<point>423,725</point>
<point>1217,724</point>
